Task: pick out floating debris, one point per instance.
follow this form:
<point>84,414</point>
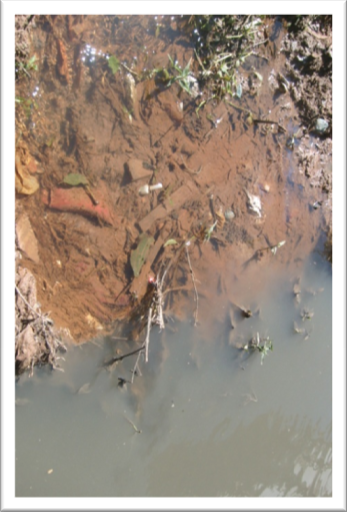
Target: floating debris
<point>254,203</point>
<point>297,292</point>
<point>298,330</point>
<point>246,313</point>
<point>316,205</point>
<point>85,389</point>
<point>264,346</point>
<point>278,246</point>
<point>138,431</point>
<point>307,314</point>
<point>122,383</point>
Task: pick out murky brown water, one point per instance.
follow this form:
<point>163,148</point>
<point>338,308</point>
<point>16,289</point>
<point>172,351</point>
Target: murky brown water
<point>213,422</point>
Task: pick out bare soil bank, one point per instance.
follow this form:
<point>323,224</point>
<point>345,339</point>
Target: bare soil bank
<point>93,250</point>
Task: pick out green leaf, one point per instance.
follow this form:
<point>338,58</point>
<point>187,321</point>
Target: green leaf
<point>31,63</point>
<point>113,64</point>
<point>75,179</point>
<point>170,242</point>
<point>138,256</point>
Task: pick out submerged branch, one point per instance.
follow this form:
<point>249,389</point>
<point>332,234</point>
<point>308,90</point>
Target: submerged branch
<point>120,358</point>
<point>195,289</point>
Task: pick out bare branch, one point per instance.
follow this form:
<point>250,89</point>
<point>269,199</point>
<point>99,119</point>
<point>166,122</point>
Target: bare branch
<point>195,289</point>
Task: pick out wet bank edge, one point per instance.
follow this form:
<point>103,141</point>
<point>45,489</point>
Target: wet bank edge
<point>308,69</point>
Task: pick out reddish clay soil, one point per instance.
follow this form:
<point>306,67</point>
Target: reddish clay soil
<point>79,251</point>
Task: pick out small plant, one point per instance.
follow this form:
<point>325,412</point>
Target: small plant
<point>113,64</point>
<point>223,43</point>
<point>27,104</point>
<point>209,232</point>
<point>175,73</point>
<point>264,346</point>
<point>182,76</point>
<point>22,67</point>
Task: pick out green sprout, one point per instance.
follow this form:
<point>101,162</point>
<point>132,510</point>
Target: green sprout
<point>113,64</point>
<point>209,232</point>
<point>26,67</point>
<point>27,103</point>
<point>264,346</point>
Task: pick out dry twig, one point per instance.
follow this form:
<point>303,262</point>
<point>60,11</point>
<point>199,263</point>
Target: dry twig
<point>194,284</point>
<point>149,324</point>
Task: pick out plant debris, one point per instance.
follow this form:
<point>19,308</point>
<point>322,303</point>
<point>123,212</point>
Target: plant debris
<point>36,341</point>
<point>138,256</point>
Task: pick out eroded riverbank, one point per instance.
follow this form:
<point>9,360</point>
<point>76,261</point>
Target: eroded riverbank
<point>118,131</point>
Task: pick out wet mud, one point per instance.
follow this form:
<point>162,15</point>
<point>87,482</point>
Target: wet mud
<point>122,133</point>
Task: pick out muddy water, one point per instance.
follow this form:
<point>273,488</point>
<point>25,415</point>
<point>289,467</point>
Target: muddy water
<point>204,418</point>
<point>213,422</point>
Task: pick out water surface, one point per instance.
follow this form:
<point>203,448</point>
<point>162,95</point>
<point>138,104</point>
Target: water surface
<point>213,422</point>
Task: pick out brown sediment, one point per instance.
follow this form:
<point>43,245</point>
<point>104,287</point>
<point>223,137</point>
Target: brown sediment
<point>83,274</point>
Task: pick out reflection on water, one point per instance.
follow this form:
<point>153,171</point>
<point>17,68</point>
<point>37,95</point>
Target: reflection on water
<point>212,422</point>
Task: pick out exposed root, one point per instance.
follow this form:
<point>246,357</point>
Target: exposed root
<point>36,343</point>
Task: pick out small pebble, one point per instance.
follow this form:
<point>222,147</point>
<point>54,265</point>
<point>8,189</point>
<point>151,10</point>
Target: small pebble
<point>229,215</point>
<point>321,125</point>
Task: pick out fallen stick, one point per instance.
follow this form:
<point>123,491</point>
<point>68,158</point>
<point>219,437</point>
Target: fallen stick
<point>132,424</point>
<point>149,322</point>
<point>136,368</point>
<point>195,289</point>
<point>120,358</point>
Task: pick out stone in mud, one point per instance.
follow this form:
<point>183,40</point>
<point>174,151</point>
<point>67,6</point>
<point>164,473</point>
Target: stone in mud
<point>26,238</point>
<point>321,125</point>
<point>137,171</point>
<point>25,182</point>
<point>130,93</point>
